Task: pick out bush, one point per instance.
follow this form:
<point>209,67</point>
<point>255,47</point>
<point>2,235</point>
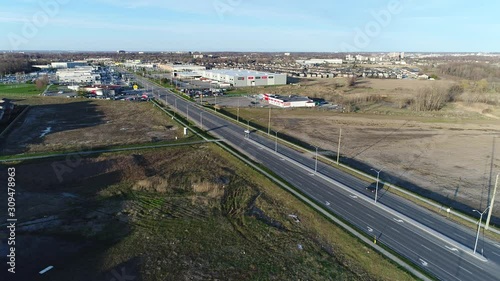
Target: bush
<point>430,99</point>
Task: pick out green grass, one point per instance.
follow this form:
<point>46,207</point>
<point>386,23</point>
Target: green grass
<point>20,90</point>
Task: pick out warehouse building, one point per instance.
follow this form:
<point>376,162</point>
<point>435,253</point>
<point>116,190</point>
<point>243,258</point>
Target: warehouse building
<point>244,78</point>
<point>85,75</point>
<point>289,101</point>
<point>181,67</point>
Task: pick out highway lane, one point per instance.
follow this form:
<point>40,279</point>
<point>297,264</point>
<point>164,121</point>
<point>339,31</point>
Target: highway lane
<point>397,235</point>
<point>444,261</point>
<point>448,228</point>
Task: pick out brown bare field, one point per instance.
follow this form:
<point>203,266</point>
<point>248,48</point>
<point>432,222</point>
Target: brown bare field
<point>54,124</point>
<point>157,216</point>
<point>448,159</point>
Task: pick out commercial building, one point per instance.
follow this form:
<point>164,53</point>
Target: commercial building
<point>289,101</point>
<point>84,74</point>
<point>244,78</point>
<point>320,61</point>
<point>181,67</point>
<point>68,64</point>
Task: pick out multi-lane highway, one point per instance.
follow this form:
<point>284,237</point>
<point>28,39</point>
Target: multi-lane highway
<point>433,243</point>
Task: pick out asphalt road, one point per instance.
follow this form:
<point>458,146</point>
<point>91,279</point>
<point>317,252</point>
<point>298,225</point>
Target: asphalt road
<point>433,243</point>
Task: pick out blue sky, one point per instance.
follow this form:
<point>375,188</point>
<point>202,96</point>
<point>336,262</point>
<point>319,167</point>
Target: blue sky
<point>251,25</point>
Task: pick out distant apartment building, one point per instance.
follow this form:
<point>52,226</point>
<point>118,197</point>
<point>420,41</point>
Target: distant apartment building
<point>244,77</point>
<point>79,75</point>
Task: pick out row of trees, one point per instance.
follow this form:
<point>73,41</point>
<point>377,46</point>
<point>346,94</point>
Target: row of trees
<point>11,64</point>
<point>471,71</point>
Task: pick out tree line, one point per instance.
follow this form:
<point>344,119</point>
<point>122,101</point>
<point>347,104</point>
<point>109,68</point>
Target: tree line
<point>471,71</point>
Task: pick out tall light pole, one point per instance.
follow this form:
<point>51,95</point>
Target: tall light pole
<point>238,112</point>
<point>491,204</point>
<point>276,142</point>
<point>316,161</point>
<point>376,187</point>
<point>201,119</point>
<point>338,149</point>
<point>248,126</point>
<point>269,124</point>
<point>479,225</point>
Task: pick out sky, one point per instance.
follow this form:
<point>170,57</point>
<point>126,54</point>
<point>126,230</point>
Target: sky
<point>251,25</point>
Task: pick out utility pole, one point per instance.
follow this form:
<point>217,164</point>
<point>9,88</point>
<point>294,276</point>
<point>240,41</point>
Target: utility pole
<point>338,149</point>
<point>269,124</point>
<point>491,204</point>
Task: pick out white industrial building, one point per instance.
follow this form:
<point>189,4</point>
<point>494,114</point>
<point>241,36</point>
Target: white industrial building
<point>289,101</point>
<point>319,61</point>
<point>68,64</point>
<point>181,67</point>
<point>84,74</point>
<point>244,77</point>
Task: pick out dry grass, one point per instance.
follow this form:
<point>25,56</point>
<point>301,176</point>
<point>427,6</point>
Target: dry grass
<point>210,222</point>
<point>84,124</point>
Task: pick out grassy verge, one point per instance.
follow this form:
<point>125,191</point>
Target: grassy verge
<point>352,249</point>
<point>20,90</point>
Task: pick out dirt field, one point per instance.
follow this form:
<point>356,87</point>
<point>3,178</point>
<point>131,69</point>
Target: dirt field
<point>156,216</point>
<point>53,124</point>
<point>445,158</point>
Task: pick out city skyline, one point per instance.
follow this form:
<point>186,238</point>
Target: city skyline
<point>230,25</point>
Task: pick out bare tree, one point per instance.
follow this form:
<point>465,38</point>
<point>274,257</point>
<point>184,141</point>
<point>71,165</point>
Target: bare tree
<point>42,82</point>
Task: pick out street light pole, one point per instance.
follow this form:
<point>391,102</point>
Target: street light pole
<point>316,161</point>
<point>276,142</point>
<point>479,225</point>
<point>238,112</point>
<point>338,149</point>
<point>491,204</point>
<point>376,187</point>
<point>248,126</point>
<point>201,119</point>
<point>269,124</point>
